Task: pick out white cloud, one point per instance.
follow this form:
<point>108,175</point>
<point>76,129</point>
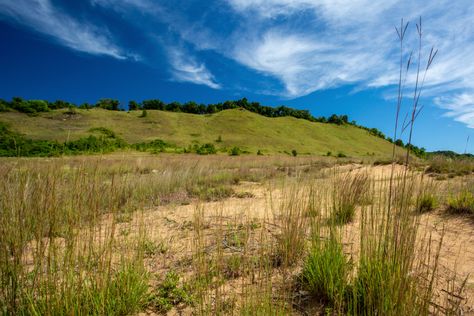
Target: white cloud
<point>302,62</point>
<point>459,106</point>
<point>43,17</point>
<point>355,42</point>
<point>145,6</point>
<point>186,69</point>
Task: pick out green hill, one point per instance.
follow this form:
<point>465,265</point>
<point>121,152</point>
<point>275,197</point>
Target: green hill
<point>236,127</point>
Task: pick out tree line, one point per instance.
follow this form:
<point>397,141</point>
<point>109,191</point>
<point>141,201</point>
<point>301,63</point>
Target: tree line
<point>32,107</point>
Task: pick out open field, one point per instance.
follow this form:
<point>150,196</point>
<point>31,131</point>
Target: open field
<point>249,131</point>
<point>217,235</point>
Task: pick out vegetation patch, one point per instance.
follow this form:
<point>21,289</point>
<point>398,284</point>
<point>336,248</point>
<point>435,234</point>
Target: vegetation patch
<point>170,292</point>
<point>462,203</point>
<point>326,271</point>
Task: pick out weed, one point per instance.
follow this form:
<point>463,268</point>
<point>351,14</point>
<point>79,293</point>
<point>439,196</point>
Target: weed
<point>426,203</point>
<point>170,293</point>
<point>462,203</point>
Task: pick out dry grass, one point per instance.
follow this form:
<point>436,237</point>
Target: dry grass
<point>118,235</point>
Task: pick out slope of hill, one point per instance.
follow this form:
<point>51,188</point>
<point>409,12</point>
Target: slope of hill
<point>236,127</point>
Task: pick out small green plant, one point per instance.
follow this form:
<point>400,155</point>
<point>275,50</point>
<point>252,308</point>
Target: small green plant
<point>259,153</point>
<point>170,293</point>
<point>326,271</point>
<point>329,154</point>
<point>144,113</point>
<point>206,149</point>
<point>219,139</point>
<point>463,203</point>
<point>294,153</point>
<point>427,202</point>
<point>341,155</point>
<point>235,151</point>
<point>211,193</point>
<point>233,266</point>
<point>151,248</point>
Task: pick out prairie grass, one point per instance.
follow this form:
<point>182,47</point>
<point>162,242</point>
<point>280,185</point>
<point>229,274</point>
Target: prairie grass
<point>462,203</point>
<point>452,167</point>
<point>349,191</point>
<point>85,246</point>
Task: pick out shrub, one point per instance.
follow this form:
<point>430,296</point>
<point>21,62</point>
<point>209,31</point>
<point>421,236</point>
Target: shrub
<point>235,151</point>
<point>4,106</point>
<point>144,113</point>
<point>155,146</point>
<point>294,153</point>
<point>259,153</point>
<point>341,155</point>
<point>206,149</point>
<point>219,139</point>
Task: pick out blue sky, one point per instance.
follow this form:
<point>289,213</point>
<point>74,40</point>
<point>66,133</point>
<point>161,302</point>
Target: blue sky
<point>328,56</point>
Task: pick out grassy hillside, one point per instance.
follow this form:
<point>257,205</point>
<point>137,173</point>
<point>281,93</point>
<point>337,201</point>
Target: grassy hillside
<point>241,128</point>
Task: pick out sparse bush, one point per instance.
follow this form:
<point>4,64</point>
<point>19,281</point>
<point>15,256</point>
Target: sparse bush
<point>155,146</point>
<point>235,151</point>
<point>341,155</point>
<point>144,113</point>
<point>206,149</point>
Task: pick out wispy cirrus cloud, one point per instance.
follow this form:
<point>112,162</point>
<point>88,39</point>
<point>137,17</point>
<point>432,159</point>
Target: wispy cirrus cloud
<point>184,65</point>
<point>341,42</point>
<point>460,107</point>
<point>185,68</point>
<point>145,6</point>
<point>44,17</point>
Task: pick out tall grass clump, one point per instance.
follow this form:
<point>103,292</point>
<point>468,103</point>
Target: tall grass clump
<point>326,271</point>
<point>349,191</point>
<point>461,203</point>
<point>291,240</point>
<point>426,199</point>
<point>57,244</point>
<point>392,277</point>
